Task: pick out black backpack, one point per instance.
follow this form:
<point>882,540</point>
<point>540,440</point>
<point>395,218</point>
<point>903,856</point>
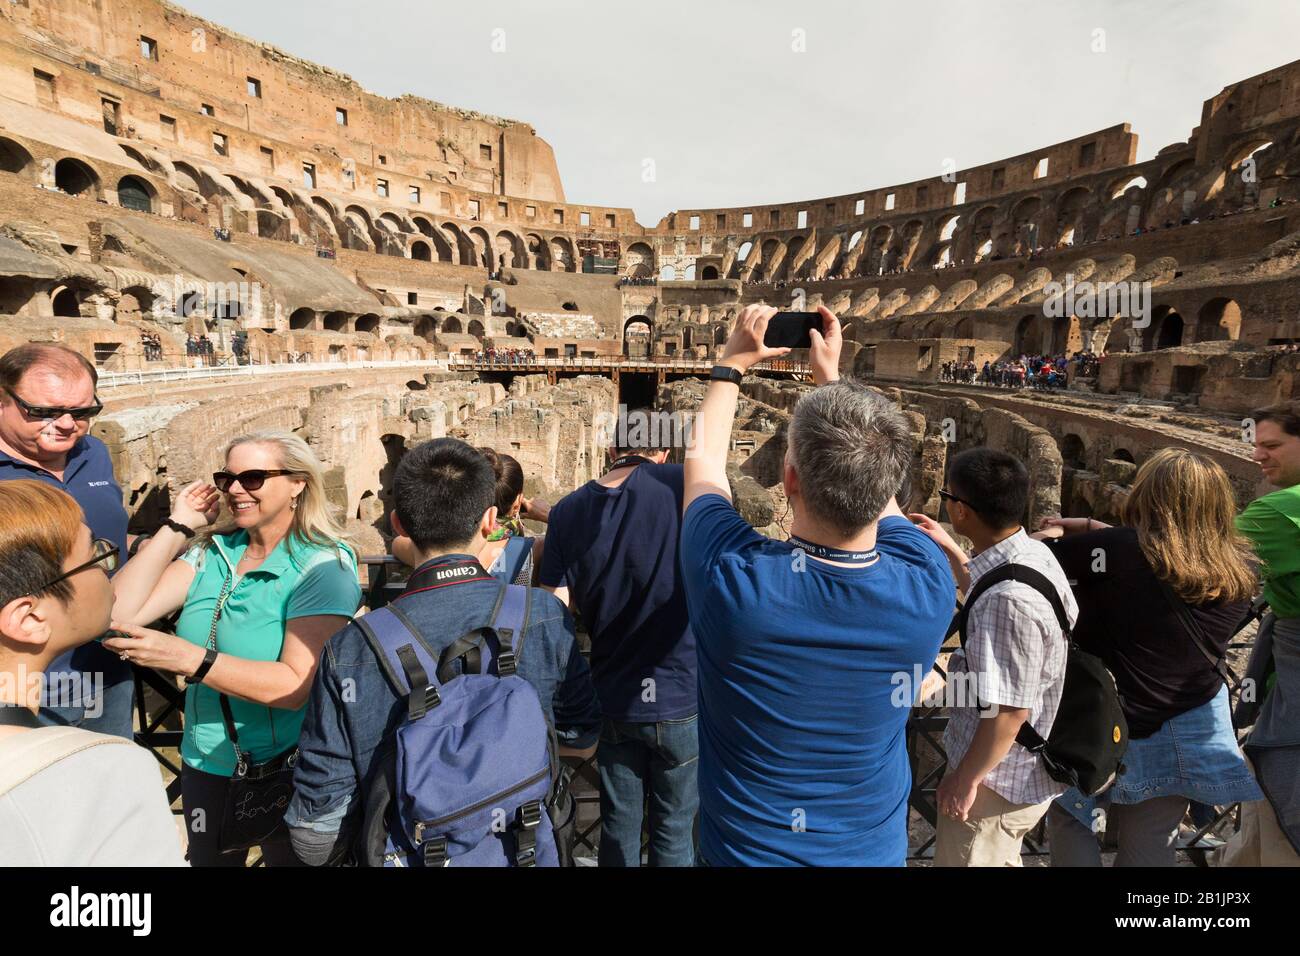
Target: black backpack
<point>1089,735</point>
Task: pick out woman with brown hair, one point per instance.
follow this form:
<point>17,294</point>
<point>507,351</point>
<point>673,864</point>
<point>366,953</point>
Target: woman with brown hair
<point>1159,596</point>
<point>511,554</point>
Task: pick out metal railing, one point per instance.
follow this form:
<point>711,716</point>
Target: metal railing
<point>500,364</point>
<point>186,373</point>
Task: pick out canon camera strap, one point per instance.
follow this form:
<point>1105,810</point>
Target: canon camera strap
<point>444,572</point>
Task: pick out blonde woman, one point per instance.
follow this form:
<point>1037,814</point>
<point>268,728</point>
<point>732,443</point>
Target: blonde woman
<point>258,595</point>
<point>1159,598</point>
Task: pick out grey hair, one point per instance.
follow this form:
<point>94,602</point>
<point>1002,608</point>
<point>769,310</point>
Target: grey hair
<point>852,450</point>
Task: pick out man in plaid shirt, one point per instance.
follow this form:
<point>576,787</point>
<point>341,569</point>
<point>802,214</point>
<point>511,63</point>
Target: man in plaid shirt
<point>995,791</point>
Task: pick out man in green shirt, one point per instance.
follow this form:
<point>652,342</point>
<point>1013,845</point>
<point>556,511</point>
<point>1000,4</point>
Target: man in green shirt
<point>1272,521</point>
<point>1270,829</point>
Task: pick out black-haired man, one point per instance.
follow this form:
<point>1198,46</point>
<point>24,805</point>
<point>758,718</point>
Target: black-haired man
<point>444,494</point>
<point>1012,669</point>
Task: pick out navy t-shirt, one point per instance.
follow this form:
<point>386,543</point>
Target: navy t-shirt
<point>88,478</point>
<point>803,758</point>
<point>616,551</point>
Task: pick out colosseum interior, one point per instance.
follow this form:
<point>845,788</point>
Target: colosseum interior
<point>350,258</point>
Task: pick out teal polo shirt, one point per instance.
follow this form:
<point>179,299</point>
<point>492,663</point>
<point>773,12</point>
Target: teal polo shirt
<point>302,581</point>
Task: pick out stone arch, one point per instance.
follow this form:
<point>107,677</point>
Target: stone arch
<point>668,274</point>
<point>336,322</point>
<point>426,327</point>
<point>76,178</point>
<point>1020,340</point>
<point>709,272</point>
<point>1024,225</point>
<point>14,158</point>
<point>562,255</point>
<point>136,301</point>
<point>1074,453</point>
<point>948,227</point>
<point>637,343</point>
<point>1119,187</point>
<point>720,334</point>
<point>512,247</point>
<point>1219,321</point>
<point>1166,330</point>
<point>476,329</point>
<point>188,178</point>
<point>539,251</point>
<point>452,325</point>
<point>302,320</point>
<point>873,263</point>
<point>459,244</point>
<point>421,251</point>
<point>482,244</point>
<point>1070,211</point>
<point>638,261</point>
<point>66,303</point>
<point>136,193</point>
<point>368,323</point>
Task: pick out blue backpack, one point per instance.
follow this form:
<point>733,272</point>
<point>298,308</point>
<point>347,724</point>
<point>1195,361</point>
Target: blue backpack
<point>471,771</point>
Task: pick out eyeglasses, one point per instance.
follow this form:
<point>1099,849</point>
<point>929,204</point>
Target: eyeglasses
<point>55,411</point>
<point>106,553</point>
<point>949,496</point>
<point>250,480</point>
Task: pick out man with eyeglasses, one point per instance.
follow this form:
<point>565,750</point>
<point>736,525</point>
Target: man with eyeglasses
<point>47,405</point>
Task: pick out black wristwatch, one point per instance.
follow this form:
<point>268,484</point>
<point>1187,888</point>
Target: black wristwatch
<point>725,373</point>
<point>177,526</point>
<point>209,658</point>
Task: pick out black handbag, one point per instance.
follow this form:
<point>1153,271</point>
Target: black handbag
<point>257,794</point>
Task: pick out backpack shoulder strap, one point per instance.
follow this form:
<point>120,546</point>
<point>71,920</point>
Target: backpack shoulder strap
<point>510,623</point>
<point>1021,574</point>
<point>516,553</point>
<point>35,750</point>
<point>397,644</point>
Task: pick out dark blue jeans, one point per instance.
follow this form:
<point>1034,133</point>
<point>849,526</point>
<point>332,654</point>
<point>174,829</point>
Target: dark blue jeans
<point>654,761</point>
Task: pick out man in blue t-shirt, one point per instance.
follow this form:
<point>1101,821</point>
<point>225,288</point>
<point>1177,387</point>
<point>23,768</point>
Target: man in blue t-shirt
<point>810,651</point>
<point>47,402</point>
<point>611,553</point>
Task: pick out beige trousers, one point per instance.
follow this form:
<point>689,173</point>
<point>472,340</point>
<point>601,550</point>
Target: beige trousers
<point>991,834</point>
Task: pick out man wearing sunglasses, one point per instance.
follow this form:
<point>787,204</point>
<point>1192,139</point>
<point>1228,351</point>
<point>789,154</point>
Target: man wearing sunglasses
<point>47,405</point>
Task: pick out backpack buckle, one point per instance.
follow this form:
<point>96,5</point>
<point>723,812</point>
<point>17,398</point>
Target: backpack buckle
<point>530,815</point>
<point>435,852</point>
<point>505,656</point>
<point>417,704</point>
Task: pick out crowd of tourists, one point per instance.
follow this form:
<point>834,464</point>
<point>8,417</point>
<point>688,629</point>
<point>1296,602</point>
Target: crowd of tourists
<point>1033,371</point>
<point>495,356</point>
<point>638,280</point>
<point>742,691</point>
<point>200,348</point>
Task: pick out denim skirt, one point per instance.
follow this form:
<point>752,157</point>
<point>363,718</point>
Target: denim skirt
<point>1194,755</point>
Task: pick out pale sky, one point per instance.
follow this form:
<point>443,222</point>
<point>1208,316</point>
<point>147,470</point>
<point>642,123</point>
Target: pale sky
<point>716,95</point>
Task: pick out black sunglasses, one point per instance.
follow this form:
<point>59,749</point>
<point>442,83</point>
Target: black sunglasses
<point>106,553</point>
<point>949,496</point>
<point>250,480</point>
<point>54,411</point>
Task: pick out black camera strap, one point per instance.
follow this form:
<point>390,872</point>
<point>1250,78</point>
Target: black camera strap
<point>444,572</point>
<point>629,460</point>
<point>17,715</point>
<point>834,554</point>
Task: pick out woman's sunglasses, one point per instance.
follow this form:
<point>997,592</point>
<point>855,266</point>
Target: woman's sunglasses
<point>106,553</point>
<point>250,480</point>
<point>84,414</point>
